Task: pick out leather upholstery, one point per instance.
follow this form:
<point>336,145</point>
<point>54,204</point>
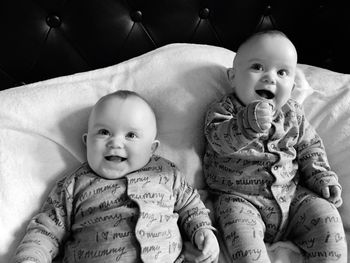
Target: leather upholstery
<point>41,39</point>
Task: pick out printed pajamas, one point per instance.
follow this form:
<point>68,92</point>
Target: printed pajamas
<point>314,226</point>
<point>268,186</point>
<point>88,219</point>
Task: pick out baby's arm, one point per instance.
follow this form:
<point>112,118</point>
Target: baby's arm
<point>195,221</point>
<point>313,163</point>
<point>40,243</point>
<point>45,231</point>
<point>229,128</point>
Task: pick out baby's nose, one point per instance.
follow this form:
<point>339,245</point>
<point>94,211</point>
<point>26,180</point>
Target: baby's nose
<point>115,142</point>
<point>269,78</point>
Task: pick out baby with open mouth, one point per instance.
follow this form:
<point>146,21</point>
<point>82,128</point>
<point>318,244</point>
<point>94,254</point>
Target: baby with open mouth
<point>266,163</point>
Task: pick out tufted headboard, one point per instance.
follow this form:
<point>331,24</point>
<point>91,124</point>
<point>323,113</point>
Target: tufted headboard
<point>42,39</point>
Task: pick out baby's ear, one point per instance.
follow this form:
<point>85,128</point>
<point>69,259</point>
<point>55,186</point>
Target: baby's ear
<point>231,76</point>
<point>84,138</point>
<point>155,146</point>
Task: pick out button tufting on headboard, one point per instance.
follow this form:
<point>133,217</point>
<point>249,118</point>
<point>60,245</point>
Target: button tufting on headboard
<point>41,39</point>
<point>53,21</point>
<point>204,13</point>
<point>136,16</point>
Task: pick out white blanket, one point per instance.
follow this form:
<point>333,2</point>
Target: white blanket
<point>41,125</point>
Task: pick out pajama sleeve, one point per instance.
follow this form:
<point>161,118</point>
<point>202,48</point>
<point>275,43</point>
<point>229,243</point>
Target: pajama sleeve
<point>312,158</point>
<point>229,129</point>
<point>192,212</point>
<point>47,230</point>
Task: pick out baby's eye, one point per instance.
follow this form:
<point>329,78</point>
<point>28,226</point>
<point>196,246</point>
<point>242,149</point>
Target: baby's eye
<point>282,72</point>
<point>257,66</point>
<point>103,132</point>
<point>131,135</point>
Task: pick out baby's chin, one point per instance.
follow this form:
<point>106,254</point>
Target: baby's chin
<point>112,174</point>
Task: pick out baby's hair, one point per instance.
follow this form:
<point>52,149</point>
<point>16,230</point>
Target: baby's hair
<point>270,32</point>
<point>124,94</point>
<point>267,32</point>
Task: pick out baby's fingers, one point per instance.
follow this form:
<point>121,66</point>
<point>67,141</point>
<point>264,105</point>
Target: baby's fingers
<point>335,195</point>
<point>264,106</point>
<point>325,192</point>
<point>264,114</point>
<point>199,240</point>
<point>191,253</point>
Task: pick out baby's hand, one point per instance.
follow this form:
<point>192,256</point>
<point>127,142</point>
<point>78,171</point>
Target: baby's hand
<point>333,194</point>
<point>264,114</point>
<point>257,117</point>
<point>207,243</point>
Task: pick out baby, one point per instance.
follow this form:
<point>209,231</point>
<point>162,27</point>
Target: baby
<point>266,163</point>
<point>125,204</point>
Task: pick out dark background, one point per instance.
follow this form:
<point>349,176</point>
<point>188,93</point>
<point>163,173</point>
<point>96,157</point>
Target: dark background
<point>41,39</point>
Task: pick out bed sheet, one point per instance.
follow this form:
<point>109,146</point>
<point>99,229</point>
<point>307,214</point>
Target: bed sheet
<point>41,125</point>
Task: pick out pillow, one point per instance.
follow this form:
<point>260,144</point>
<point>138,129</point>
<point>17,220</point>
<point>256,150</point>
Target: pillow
<point>41,124</point>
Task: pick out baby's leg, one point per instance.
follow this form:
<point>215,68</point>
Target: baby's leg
<point>317,229</point>
<point>242,229</point>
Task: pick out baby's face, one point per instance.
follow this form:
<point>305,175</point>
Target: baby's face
<point>264,69</point>
<point>121,136</point>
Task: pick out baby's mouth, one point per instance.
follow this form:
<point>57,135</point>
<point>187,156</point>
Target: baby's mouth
<point>266,94</point>
<point>115,158</point>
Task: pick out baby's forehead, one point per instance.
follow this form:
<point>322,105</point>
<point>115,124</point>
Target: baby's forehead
<point>264,44</point>
<point>132,101</point>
